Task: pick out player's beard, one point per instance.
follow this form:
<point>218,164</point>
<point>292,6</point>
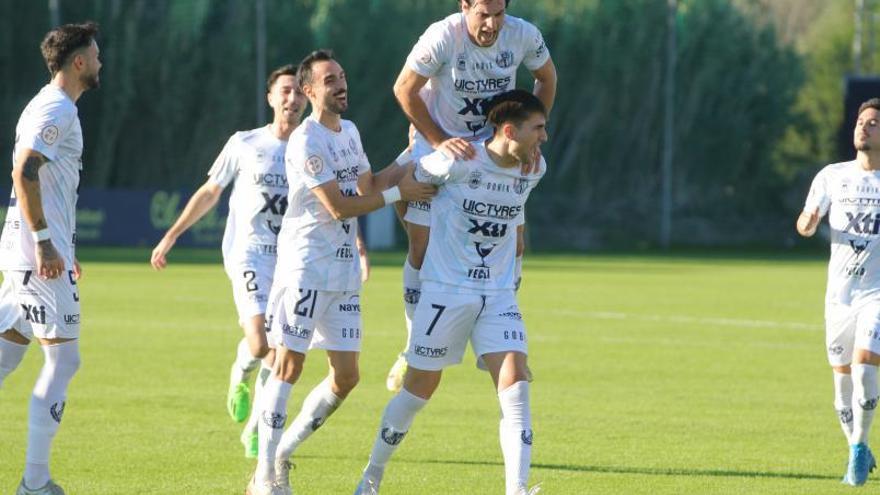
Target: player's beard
<point>90,81</point>
<point>334,105</point>
<point>863,146</point>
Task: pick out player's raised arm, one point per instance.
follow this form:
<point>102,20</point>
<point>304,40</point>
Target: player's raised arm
<point>198,205</point>
<point>26,181</point>
<point>545,84</point>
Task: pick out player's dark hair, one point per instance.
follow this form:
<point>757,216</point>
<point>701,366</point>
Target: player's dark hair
<point>61,44</point>
<point>284,70</point>
<point>872,103</point>
<point>514,107</point>
<point>471,2</point>
<point>304,75</point>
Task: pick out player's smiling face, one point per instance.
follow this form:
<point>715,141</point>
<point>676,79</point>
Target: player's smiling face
<point>286,99</point>
<point>328,88</point>
<point>526,138</point>
<point>485,19</point>
<point>867,132</point>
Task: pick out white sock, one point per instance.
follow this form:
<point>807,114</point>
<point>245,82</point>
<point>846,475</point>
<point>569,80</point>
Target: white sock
<point>864,378</point>
<point>515,432</point>
<point>47,407</point>
<point>412,290</point>
<point>316,408</point>
<point>396,420</point>
<point>273,416</point>
<point>245,363</point>
<point>259,385</point>
<point>11,355</point>
<point>843,391</point>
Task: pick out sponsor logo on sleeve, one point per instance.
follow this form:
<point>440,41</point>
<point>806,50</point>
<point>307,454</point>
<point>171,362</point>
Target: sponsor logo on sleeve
<point>314,165</point>
<point>49,134</point>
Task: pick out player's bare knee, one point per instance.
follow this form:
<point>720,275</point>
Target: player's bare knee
<point>421,383</point>
<point>845,369</point>
<point>345,381</point>
<point>259,349</point>
<point>288,366</point>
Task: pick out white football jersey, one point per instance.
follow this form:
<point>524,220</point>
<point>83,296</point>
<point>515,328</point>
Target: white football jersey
<point>850,196</point>
<point>49,125</point>
<point>463,76</point>
<point>316,251</point>
<point>472,246</point>
<point>254,160</point>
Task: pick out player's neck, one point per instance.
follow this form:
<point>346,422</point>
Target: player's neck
<point>499,152</point>
<point>868,160</point>
<point>328,119</point>
<point>282,129</point>
<point>69,84</point>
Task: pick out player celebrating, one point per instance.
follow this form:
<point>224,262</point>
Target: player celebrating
<point>39,298</point>
<point>468,283</point>
<point>849,193</point>
<point>314,301</point>
<point>254,162</point>
<point>455,68</point>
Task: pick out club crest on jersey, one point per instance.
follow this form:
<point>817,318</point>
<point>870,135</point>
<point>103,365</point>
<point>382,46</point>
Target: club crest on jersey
<point>314,165</point>
<point>504,59</point>
<point>520,185</point>
<point>49,134</point>
<point>425,57</point>
<point>475,179</point>
<point>57,411</point>
<point>461,62</point>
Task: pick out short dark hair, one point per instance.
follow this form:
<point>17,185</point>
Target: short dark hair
<point>471,3</point>
<point>304,75</point>
<point>514,107</point>
<point>60,44</point>
<point>284,70</point>
<point>872,103</point>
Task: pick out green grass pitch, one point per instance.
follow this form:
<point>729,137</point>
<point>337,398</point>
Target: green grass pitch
<point>654,375</point>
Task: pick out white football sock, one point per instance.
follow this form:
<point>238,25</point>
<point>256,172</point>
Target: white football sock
<point>412,290</point>
<point>47,407</point>
<point>515,432</point>
<point>316,408</point>
<point>396,420</point>
<point>11,355</point>
<point>259,385</point>
<point>864,378</point>
<point>273,416</point>
<point>245,363</point>
<point>843,391</point>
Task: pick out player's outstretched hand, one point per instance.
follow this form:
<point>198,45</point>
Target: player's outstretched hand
<point>807,222</point>
<point>49,263</point>
<point>457,148</point>
<point>413,190</point>
<point>158,258</point>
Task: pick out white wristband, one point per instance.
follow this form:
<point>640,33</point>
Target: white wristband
<point>391,195</point>
<point>403,158</point>
<point>41,235</point>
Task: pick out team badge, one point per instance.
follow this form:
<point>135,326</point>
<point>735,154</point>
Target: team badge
<point>392,437</point>
<point>49,134</point>
<point>526,437</point>
<point>314,165</point>
<point>57,411</point>
<point>504,59</point>
<point>520,185</point>
<point>475,179</point>
<point>274,420</point>
<point>425,57</point>
<point>461,62</point>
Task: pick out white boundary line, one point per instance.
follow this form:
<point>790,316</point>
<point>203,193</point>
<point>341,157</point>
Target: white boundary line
<point>693,320</point>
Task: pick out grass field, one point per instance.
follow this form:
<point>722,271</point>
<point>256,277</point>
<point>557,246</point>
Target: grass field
<point>654,375</point>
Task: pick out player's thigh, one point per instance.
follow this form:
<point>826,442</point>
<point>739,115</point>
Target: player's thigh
<point>47,309</point>
<point>840,333</point>
<point>340,327</point>
<point>500,327</point>
<point>292,316</point>
<point>441,326</point>
<point>251,284</point>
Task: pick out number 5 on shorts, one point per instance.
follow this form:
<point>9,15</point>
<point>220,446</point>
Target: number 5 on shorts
<point>439,309</point>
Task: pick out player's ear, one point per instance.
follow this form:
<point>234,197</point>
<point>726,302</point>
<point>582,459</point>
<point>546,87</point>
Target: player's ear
<point>509,130</point>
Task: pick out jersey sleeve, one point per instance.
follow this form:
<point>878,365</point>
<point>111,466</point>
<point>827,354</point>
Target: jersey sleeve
<point>535,52</point>
<point>819,195</point>
<point>226,166</point>
<point>45,128</point>
<point>438,169</point>
<point>430,53</point>
<point>306,158</point>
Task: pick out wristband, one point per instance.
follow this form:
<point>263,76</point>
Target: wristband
<point>391,195</point>
<point>404,158</point>
<point>41,235</point>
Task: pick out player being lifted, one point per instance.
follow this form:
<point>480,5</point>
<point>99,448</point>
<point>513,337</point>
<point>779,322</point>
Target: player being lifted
<point>39,298</point>
<point>457,65</point>
<point>849,193</point>
<point>253,161</point>
<point>468,284</point>
<point>314,301</point>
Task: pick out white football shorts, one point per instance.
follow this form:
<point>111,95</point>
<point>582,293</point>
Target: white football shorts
<point>48,309</point>
<point>251,283</point>
<point>304,319</point>
<point>849,327</point>
<point>444,323</point>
